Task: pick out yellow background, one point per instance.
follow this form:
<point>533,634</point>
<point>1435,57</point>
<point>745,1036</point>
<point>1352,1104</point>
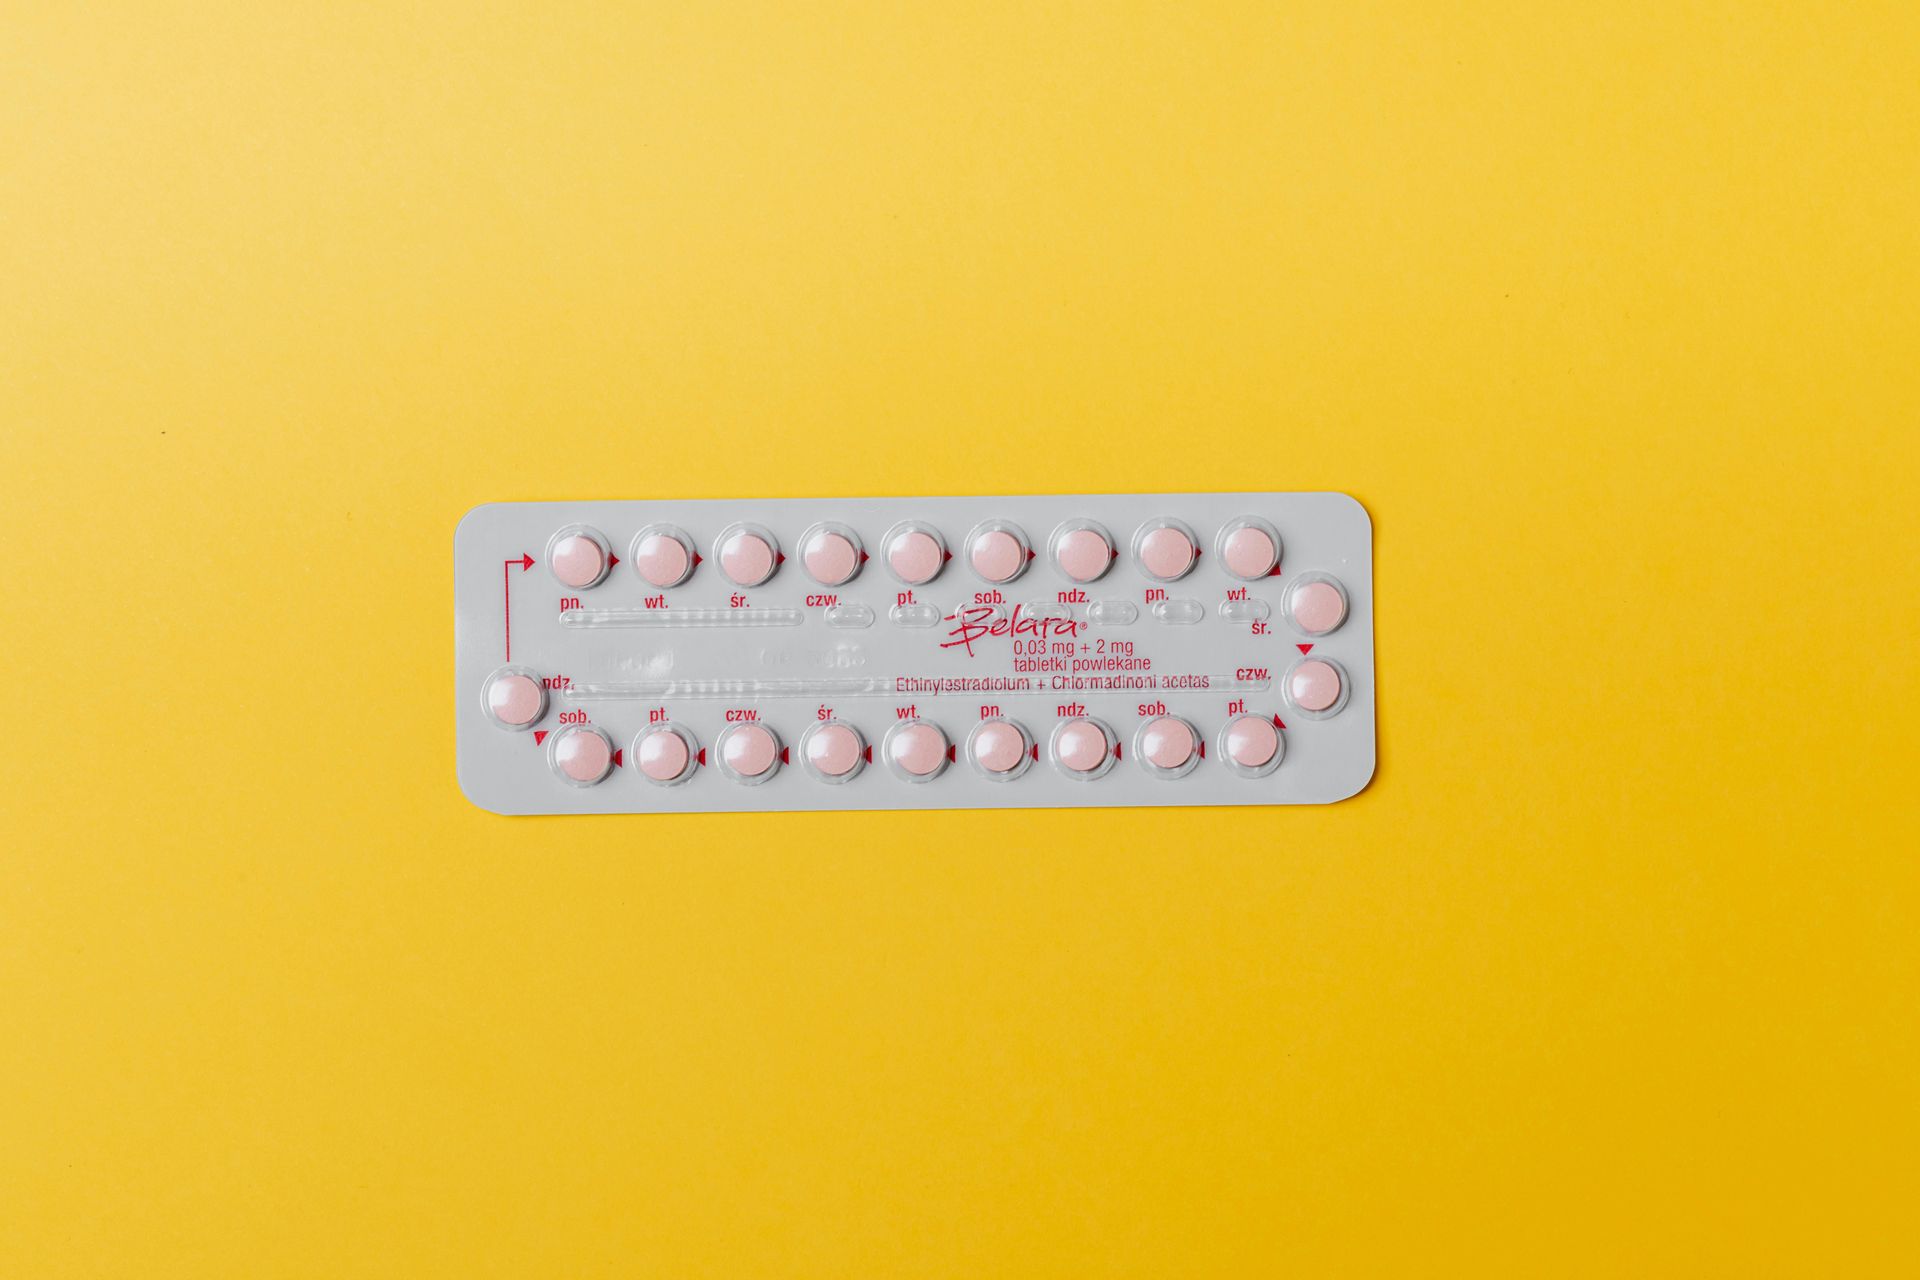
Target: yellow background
<point>1608,314</point>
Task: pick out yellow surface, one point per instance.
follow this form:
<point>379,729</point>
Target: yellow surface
<point>1609,316</point>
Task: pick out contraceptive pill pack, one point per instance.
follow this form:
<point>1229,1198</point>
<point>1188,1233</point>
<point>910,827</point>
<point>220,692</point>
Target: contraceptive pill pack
<point>686,656</point>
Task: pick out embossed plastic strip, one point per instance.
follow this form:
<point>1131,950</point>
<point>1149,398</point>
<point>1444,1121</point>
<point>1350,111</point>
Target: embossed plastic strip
<point>583,618</point>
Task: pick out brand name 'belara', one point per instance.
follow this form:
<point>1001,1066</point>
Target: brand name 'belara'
<point>982,621</point>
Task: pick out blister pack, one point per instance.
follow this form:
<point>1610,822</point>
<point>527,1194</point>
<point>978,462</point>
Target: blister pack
<point>685,656</point>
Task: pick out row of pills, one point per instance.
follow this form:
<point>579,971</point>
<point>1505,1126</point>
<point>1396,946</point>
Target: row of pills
<point>915,552</point>
<point>915,750</point>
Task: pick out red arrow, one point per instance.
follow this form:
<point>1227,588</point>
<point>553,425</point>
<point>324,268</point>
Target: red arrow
<point>1116,751</point>
<point>953,753</point>
<point>779,559</point>
<point>863,557</point>
<point>618,752</point>
<point>540,736</point>
<point>1036,751</point>
<point>506,594</point>
<point>869,754</point>
<point>1031,553</point>
<point>703,755</point>
<point>1304,648</point>
<point>696,559</point>
<point>1274,572</point>
<point>1278,723</point>
<point>612,559</point>
<point>948,555</point>
<point>1203,749</point>
<point>785,758</point>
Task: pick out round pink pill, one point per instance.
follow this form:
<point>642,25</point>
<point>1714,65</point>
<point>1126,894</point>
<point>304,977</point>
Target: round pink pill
<point>1167,743</point>
<point>1080,746</point>
<point>747,559</point>
<point>578,561</point>
<point>998,556</point>
<point>1317,607</point>
<point>663,755</point>
<point>749,750</point>
<point>1083,555</point>
<point>1251,741</point>
<point>1166,553</point>
<point>830,557</point>
<point>916,556</point>
<point>661,560</point>
<point>1314,685</point>
<point>515,700</point>
<point>998,747</point>
<point>919,749</point>
<point>1249,552</point>
<point>582,755</point>
<point>834,750</point>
